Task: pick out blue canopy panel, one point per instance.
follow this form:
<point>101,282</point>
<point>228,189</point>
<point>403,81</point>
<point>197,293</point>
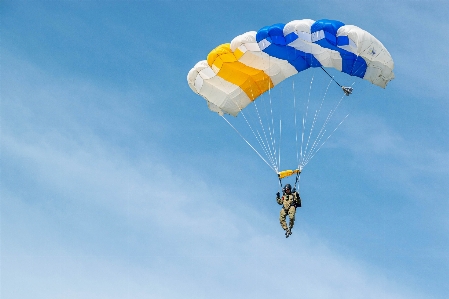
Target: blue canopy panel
<point>279,47</point>
<point>351,64</point>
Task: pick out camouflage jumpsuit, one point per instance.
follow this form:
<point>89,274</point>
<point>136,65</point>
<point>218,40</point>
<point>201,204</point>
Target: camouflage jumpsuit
<point>289,203</point>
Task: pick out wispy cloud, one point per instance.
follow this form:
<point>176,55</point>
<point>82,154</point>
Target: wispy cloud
<point>93,212</point>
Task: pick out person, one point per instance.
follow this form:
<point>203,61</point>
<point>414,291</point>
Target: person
<point>290,200</point>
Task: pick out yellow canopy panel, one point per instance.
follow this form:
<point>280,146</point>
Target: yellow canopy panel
<point>225,64</point>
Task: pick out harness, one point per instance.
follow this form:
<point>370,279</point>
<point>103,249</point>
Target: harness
<point>293,204</point>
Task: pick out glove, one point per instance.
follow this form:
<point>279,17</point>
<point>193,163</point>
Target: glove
<point>278,195</point>
<point>293,190</point>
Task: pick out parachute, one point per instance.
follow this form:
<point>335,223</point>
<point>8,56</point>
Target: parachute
<point>235,74</point>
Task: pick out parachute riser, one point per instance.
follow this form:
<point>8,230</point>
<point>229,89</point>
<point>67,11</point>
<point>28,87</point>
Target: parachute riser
<point>297,178</point>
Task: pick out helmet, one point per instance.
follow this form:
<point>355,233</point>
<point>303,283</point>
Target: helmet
<point>288,186</point>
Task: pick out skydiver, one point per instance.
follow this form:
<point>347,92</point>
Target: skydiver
<point>289,201</point>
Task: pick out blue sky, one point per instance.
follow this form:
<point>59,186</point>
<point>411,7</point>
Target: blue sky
<point>118,182</point>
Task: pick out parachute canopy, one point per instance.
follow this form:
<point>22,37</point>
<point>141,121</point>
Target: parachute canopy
<point>236,74</point>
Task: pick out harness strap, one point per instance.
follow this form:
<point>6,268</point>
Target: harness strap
<point>280,183</point>
<point>297,178</point>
